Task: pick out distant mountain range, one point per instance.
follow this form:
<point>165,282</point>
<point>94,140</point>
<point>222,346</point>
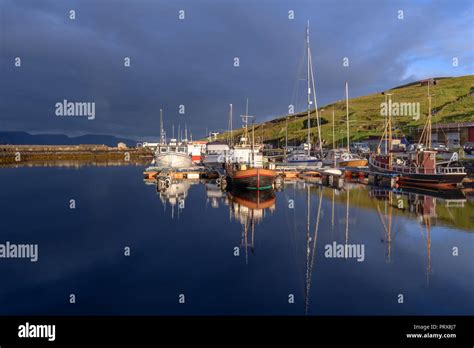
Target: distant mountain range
<point>24,138</point>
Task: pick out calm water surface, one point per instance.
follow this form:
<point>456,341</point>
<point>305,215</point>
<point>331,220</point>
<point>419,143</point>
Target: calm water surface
<point>228,253</point>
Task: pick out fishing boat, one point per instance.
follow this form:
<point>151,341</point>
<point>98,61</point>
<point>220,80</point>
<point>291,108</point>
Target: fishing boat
<point>172,154</point>
<point>419,167</point>
<point>246,170</point>
<point>216,153</point>
<point>302,156</point>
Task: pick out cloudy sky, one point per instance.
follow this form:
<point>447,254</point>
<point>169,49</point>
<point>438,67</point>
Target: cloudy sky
<point>190,61</point>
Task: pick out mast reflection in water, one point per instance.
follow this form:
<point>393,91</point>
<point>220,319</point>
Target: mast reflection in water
<point>183,240</point>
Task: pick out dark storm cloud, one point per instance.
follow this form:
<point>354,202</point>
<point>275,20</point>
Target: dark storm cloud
<point>190,61</point>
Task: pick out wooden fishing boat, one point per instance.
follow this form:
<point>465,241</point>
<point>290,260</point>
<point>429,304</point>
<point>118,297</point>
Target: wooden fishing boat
<point>419,168</point>
<point>420,171</point>
<point>247,172</point>
<point>250,178</point>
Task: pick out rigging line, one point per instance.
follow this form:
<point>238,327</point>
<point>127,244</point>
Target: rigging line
<point>316,104</point>
<point>294,98</point>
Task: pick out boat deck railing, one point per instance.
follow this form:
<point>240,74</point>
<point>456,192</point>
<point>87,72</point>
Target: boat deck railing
<point>417,170</point>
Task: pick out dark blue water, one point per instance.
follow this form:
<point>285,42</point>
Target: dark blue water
<point>189,249</point>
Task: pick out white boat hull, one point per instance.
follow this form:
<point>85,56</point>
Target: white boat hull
<point>174,160</point>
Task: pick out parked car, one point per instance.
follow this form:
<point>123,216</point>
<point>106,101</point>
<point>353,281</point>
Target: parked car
<point>360,148</point>
<point>469,147</point>
<point>440,147</point>
<point>415,146</point>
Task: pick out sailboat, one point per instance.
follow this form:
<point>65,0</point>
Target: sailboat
<point>302,156</point>
<point>173,154</point>
<point>420,168</point>
<point>244,166</point>
<point>343,157</point>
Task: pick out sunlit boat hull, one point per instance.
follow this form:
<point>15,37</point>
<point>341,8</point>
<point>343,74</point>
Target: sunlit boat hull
<point>252,179</point>
<point>353,163</point>
<point>174,160</point>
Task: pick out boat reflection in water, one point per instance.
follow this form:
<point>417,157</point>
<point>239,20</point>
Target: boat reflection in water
<point>175,194</point>
<point>215,195</point>
<point>248,208</point>
<point>417,203</point>
<point>384,235</point>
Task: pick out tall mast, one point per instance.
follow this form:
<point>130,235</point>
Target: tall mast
<point>386,126</point>
<point>389,130</point>
<point>429,117</point>
<point>309,91</point>
<point>333,137</point>
<point>347,115</point>
<point>231,134</point>
<point>253,144</point>
<point>286,136</point>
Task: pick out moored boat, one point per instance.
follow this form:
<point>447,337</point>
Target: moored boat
<point>419,168</point>
<point>245,165</point>
<point>342,158</point>
<point>250,178</point>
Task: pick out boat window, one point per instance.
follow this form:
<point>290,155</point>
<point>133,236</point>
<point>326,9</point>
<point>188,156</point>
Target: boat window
<point>172,149</point>
<point>163,149</point>
<point>181,149</point>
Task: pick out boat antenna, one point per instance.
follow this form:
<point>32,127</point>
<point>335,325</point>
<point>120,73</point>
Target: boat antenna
<point>172,128</point>
<point>162,132</point>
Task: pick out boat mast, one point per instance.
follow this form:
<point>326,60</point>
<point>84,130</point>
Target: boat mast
<point>309,91</point>
<point>333,137</point>
<point>318,123</point>
<point>286,137</point>
<point>386,126</point>
<point>429,117</point>
<point>230,121</point>
<point>389,130</point>
<point>245,121</point>
<point>253,144</point>
<point>347,115</point>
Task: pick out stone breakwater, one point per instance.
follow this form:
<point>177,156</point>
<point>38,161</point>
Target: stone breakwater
<point>18,154</point>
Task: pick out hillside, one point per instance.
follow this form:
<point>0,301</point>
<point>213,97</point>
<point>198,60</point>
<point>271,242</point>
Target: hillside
<point>451,103</point>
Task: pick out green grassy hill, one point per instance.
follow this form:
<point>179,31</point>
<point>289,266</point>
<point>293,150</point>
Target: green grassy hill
<point>451,103</point>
